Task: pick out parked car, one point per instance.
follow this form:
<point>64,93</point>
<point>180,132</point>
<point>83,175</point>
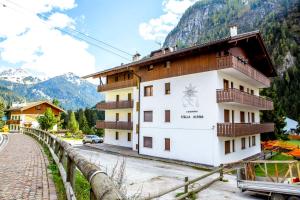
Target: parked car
<point>92,139</point>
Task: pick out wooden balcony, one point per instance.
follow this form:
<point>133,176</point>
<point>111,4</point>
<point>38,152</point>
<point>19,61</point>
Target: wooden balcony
<point>13,121</point>
<point>236,96</point>
<point>115,105</point>
<point>243,129</point>
<point>117,85</point>
<point>246,71</point>
<point>114,125</point>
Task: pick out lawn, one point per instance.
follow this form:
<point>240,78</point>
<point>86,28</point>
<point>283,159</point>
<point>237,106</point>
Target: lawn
<point>271,167</point>
<point>296,142</point>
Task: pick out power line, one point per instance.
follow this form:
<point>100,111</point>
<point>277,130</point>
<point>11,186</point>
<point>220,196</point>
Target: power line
<point>45,19</point>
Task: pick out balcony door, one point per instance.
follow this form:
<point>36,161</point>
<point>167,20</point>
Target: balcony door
<point>226,116</point>
<point>232,116</point>
<point>242,117</point>
<point>117,98</point>
<point>225,84</point>
<point>117,117</point>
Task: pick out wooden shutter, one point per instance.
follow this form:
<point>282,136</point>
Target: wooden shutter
<point>225,84</point>
<point>167,144</point>
<point>253,117</point>
<point>129,117</point>
<point>227,147</point>
<point>167,88</point>
<point>117,117</point>
<point>243,143</point>
<point>129,137</point>
<point>242,117</point>
<point>117,135</point>
<point>167,115</point>
<point>148,142</point>
<point>129,97</point>
<point>226,115</point>
<point>253,140</point>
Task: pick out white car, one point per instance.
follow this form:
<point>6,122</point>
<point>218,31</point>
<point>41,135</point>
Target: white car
<point>92,139</point>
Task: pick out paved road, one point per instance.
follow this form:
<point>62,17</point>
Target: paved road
<point>150,176</point>
<point>23,170</point>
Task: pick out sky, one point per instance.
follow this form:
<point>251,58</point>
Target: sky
<point>31,36</point>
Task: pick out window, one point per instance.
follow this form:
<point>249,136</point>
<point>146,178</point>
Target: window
<point>117,117</point>
<point>233,146</point>
<point>253,117</point>
<point>148,116</point>
<point>167,116</point>
<point>151,67</point>
<point>148,142</point>
<point>168,64</point>
<point>148,91</point>
<point>252,92</point>
<point>249,141</point>
<point>242,117</point>
<point>167,88</point>
<point>243,143</point>
<point>226,115</point>
<point>227,147</point>
<point>129,137</point>
<point>167,144</point>
<point>225,84</point>
<point>231,85</point>
<point>117,135</point>
<point>241,88</point>
<point>38,107</point>
<point>117,98</point>
<point>253,141</point>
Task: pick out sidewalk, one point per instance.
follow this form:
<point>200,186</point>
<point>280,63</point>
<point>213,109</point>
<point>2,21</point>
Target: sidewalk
<point>23,170</point>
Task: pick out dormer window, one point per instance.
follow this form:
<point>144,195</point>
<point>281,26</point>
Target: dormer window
<point>38,107</point>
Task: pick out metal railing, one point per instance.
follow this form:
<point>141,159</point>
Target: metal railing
<point>102,187</point>
<point>237,96</point>
<point>243,129</point>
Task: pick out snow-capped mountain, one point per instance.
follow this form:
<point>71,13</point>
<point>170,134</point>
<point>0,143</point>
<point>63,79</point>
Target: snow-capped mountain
<point>72,91</point>
<point>20,75</point>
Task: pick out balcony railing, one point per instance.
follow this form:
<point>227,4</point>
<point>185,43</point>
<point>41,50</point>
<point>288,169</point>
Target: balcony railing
<point>236,96</point>
<point>114,105</point>
<point>117,85</point>
<point>243,129</point>
<point>114,125</point>
<point>234,62</point>
<point>13,121</point>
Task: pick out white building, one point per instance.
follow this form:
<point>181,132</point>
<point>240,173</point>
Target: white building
<point>199,104</point>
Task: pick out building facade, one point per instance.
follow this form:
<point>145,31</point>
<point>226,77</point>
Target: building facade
<point>26,114</point>
<point>199,104</point>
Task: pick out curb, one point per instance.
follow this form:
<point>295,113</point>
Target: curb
<point>3,141</point>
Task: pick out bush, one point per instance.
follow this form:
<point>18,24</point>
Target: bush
<point>68,135</point>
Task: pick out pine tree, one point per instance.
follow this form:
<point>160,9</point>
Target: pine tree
<point>2,106</point>
<point>48,120</point>
<point>72,123</point>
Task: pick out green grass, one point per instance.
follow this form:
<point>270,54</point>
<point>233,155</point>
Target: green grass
<point>70,139</point>
<point>59,185</point>
<point>271,167</point>
<point>82,187</point>
<point>296,142</point>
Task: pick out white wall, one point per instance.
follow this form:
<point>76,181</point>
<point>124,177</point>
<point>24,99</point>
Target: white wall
<point>192,139</point>
<point>110,137</point>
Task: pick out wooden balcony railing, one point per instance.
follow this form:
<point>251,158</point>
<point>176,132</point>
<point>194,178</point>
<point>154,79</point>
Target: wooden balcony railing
<point>237,96</point>
<point>234,62</point>
<point>117,85</point>
<point>114,105</point>
<point>243,129</point>
<point>13,121</point>
<point>114,125</point>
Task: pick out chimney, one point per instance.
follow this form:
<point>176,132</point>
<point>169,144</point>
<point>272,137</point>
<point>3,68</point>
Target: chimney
<point>136,57</point>
<point>233,30</point>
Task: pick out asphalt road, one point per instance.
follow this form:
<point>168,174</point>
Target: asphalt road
<point>147,176</point>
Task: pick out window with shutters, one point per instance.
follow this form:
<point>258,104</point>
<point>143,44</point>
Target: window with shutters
<point>167,116</point>
<point>227,147</point>
<point>167,144</point>
<point>148,116</point>
<point>148,142</point>
<point>148,91</point>
<point>167,88</point>
<point>243,143</point>
<point>117,135</point>
<point>253,141</point>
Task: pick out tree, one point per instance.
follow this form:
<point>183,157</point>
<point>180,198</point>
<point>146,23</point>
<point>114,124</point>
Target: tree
<point>83,123</point>
<point>2,106</point>
<point>48,120</point>
<point>56,102</point>
<point>72,123</point>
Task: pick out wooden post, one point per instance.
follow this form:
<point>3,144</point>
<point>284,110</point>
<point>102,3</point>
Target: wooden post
<point>92,195</point>
<point>71,172</point>
<point>221,172</point>
<point>186,188</point>
<point>266,170</point>
<point>276,172</point>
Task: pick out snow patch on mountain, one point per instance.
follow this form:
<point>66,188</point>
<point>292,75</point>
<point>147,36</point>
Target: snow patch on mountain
<point>19,75</point>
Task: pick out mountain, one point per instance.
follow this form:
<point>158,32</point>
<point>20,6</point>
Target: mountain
<point>19,75</point>
<point>279,24</point>
<point>278,21</point>
<point>72,92</point>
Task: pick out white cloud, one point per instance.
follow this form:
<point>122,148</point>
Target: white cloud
<point>157,29</point>
<point>33,44</point>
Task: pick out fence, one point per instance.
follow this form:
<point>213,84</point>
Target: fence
<point>102,187</point>
<point>189,182</point>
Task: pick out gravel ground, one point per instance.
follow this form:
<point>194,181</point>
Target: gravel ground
<point>147,176</point>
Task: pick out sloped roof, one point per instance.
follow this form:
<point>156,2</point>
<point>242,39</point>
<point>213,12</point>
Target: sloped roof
<point>197,48</point>
<point>33,104</point>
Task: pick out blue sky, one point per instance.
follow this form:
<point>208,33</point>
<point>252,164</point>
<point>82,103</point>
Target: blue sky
<point>38,46</point>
